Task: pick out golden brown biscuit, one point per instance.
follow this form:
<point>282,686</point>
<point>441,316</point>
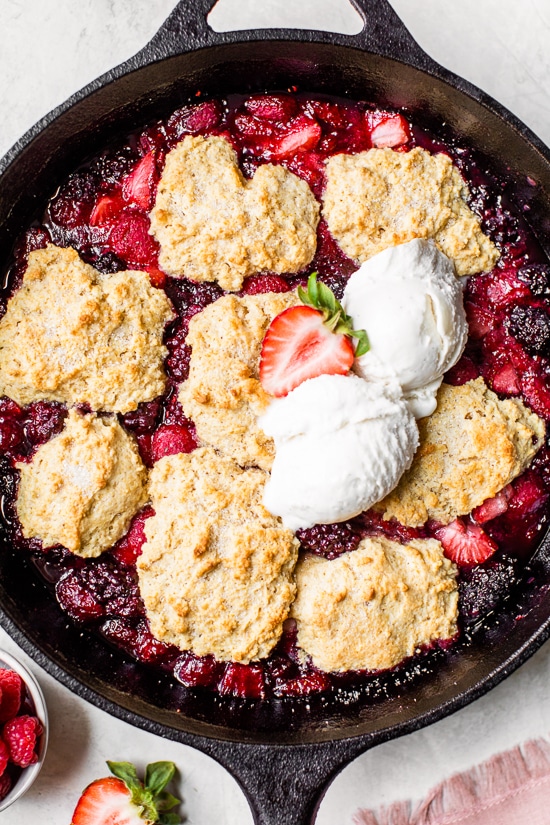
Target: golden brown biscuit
<point>82,488</point>
<point>223,394</point>
<point>383,198</point>
<point>216,570</point>
<point>75,335</point>
<point>373,607</point>
<point>471,447</point>
<point>213,225</point>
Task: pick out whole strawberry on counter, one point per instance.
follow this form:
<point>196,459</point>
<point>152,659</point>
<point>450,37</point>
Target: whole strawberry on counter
<point>308,340</point>
<point>122,799</point>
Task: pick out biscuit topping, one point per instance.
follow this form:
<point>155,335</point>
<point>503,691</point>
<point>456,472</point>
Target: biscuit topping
<point>75,335</point>
<point>371,608</point>
<point>213,225</point>
<point>382,198</point>
<point>82,488</point>
<point>223,394</point>
<point>216,569</point>
<point>471,447</point>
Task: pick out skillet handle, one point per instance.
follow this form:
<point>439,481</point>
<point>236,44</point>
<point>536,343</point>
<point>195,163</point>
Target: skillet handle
<point>284,785</point>
<point>384,33</point>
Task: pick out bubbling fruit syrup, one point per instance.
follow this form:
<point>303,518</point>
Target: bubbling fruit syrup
<point>102,211</point>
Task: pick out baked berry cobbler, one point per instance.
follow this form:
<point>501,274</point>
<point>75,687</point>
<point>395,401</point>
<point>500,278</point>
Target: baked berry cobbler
<point>275,377</point>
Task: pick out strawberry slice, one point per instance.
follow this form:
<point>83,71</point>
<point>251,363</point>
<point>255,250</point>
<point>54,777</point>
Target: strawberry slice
<point>303,134</point>
<point>123,800</point>
<point>493,507</point>
<point>307,341</point>
<point>391,131</point>
<point>106,208</point>
<point>465,543</point>
<point>139,186</point>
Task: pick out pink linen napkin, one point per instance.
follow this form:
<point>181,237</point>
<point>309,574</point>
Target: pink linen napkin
<point>512,788</point>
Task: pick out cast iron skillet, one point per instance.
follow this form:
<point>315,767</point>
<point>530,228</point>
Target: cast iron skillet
<point>283,753</point>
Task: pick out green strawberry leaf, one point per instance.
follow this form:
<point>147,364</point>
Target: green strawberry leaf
<point>166,801</point>
<point>320,297</point>
<point>151,798</point>
<point>158,775</point>
<point>127,772</point>
<point>169,819</point>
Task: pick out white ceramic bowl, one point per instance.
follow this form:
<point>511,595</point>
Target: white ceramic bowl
<point>29,774</point>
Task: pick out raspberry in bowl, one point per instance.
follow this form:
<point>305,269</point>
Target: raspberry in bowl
<point>24,735</point>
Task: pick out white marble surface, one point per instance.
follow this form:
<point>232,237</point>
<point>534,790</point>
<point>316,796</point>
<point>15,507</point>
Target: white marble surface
<point>49,49</point>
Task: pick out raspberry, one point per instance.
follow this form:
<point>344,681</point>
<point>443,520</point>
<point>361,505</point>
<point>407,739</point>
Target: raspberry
<point>4,756</point>
<point>11,686</point>
<point>21,736</point>
<point>6,783</point>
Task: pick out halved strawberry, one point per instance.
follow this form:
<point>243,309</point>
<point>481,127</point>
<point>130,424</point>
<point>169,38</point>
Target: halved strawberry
<point>307,341</point>
<point>506,380</point>
<point>106,208</point>
<point>391,131</point>
<point>303,133</point>
<point>123,800</point>
<point>465,543</point>
<point>493,507</point>
<point>139,186</point>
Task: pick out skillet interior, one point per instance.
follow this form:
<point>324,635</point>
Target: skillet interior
<point>31,173</point>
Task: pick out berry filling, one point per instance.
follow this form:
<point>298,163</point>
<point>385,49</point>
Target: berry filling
<point>102,211</point>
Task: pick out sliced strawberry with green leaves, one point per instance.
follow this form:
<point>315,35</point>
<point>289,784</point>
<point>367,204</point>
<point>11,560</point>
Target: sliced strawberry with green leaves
<point>465,543</point>
<point>123,800</point>
<point>139,186</point>
<point>309,340</point>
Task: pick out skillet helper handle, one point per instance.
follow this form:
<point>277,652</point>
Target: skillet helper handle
<point>384,33</point>
<point>284,785</point>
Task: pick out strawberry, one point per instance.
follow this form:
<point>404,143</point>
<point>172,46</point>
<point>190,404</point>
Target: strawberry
<point>303,134</point>
<point>127,549</point>
<point>130,239</point>
<point>170,439</point>
<point>278,108</point>
<point>139,186</point>
<point>308,340</point>
<point>246,681</point>
<point>123,800</point>
<point>506,380</point>
<point>258,284</point>
<point>106,208</point>
<point>493,507</point>
<point>11,686</point>
<point>391,131</point>
<point>465,543</point>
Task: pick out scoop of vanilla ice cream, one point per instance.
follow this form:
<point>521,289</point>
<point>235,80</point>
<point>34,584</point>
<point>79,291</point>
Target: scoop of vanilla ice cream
<point>410,302</point>
<point>342,444</point>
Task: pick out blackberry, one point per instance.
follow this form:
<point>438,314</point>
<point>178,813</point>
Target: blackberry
<point>537,278</point>
<point>329,540</point>
<point>531,327</point>
<point>482,588</point>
